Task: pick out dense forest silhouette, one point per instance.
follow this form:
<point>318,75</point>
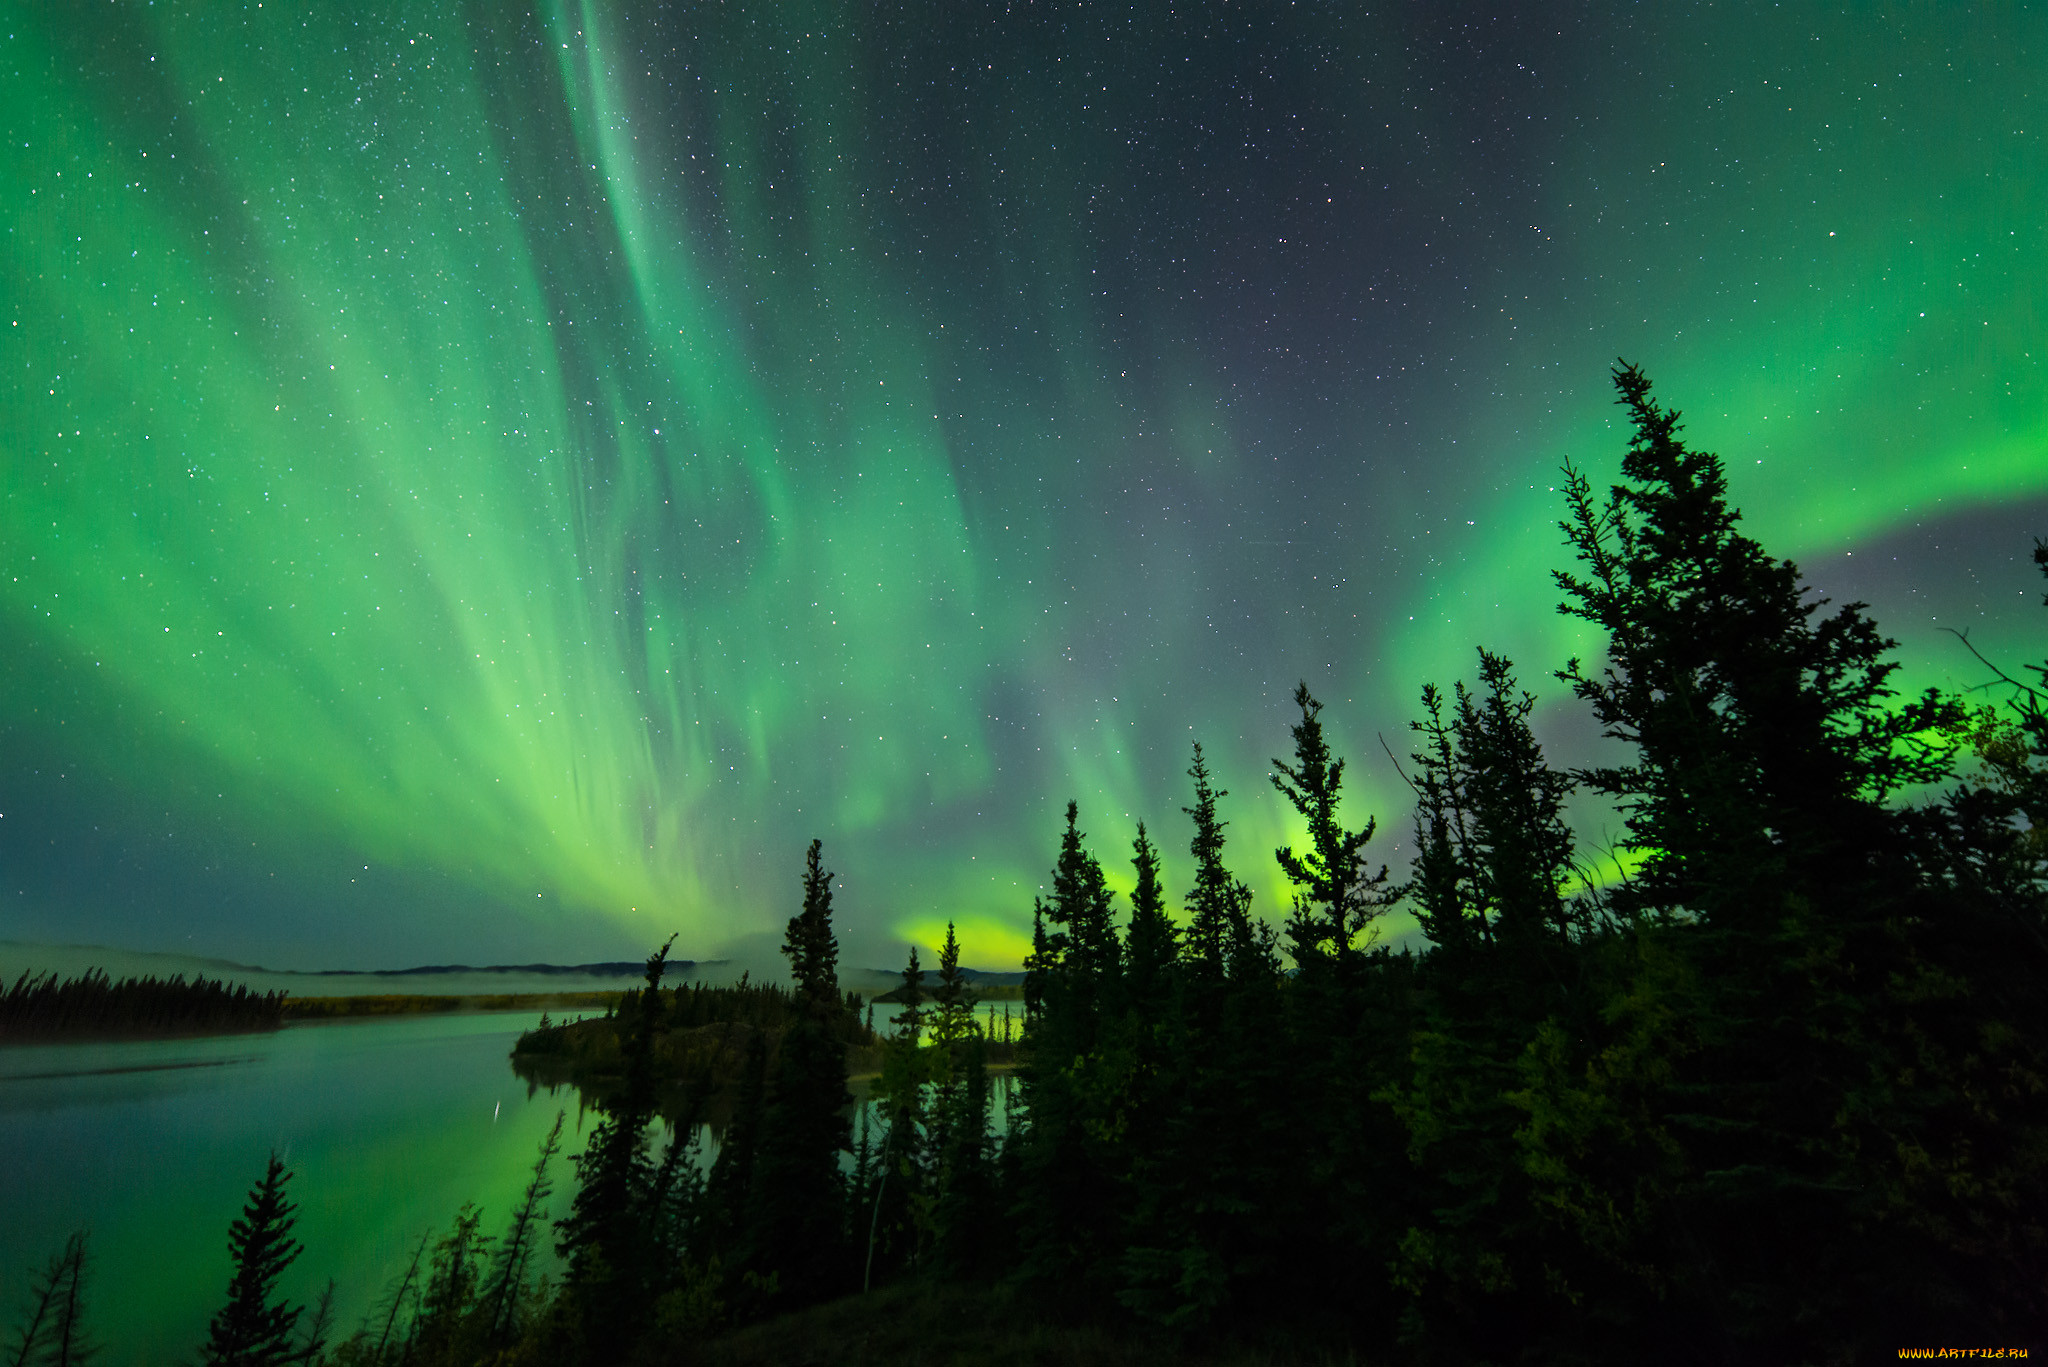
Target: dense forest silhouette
<point>1774,1092</point>
<point>44,1006</point>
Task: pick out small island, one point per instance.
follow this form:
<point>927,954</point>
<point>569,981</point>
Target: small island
<point>707,1040</point>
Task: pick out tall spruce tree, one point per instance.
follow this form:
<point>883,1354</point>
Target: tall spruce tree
<point>1151,941</point>
<point>953,998</point>
<point>2010,743</point>
<point>1962,1143</point>
<point>254,1328</point>
<point>507,1284</point>
<point>1495,856</point>
<point>1440,887</point>
<point>1729,1102</point>
<point>1217,904</point>
<point>952,1023</point>
<point>964,1193</point>
<point>448,1328</point>
<point>1497,852</point>
<point>1346,1018</point>
<point>1206,1209</point>
<point>1766,733</point>
<point>1067,1191</point>
<point>1338,898</point>
<point>798,1214</point>
<point>1085,968</point>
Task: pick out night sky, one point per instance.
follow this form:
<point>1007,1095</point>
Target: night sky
<point>488,485</point>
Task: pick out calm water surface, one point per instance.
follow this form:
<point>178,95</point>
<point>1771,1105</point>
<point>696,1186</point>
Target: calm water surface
<point>152,1146</point>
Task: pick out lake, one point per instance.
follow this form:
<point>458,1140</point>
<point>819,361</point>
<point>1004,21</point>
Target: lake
<point>390,1125</point>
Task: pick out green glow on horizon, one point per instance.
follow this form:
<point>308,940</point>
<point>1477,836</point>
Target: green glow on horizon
<point>510,453</point>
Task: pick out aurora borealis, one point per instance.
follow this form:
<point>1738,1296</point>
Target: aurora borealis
<point>484,483</point>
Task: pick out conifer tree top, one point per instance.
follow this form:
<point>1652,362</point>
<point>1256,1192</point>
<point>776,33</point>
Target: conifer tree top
<point>254,1329</point>
<point>812,948</point>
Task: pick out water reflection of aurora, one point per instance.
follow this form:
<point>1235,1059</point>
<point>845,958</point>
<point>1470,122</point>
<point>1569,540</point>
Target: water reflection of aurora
<point>388,1125</point>
<point>527,476</point>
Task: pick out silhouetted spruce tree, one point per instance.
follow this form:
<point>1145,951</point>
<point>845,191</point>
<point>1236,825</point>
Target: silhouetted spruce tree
<point>506,1286</point>
<point>1495,856</point>
<point>1524,845</point>
<point>910,999</point>
<point>953,998</point>
<point>44,1289</point>
<point>316,1330</point>
<point>2010,743</point>
<point>1170,1265</point>
<point>798,1234</point>
<point>2031,785</point>
<point>952,1024</point>
<point>1764,737</point>
<point>1714,1153</point>
<point>1440,886</point>
<point>254,1328</point>
<point>1208,1208</point>
<point>1218,902</point>
<point>958,1138</point>
<point>391,1338</point>
<point>1150,942</point>
<point>1495,810</point>
<point>52,1329</point>
<point>1067,1191</point>
<point>1039,962</point>
<point>1132,1074</point>
<point>1961,1096</point>
<point>1347,1015</point>
<point>448,1330</point>
<point>1338,897</point>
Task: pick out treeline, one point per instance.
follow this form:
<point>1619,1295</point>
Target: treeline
<point>41,1006</point>
<point>1775,1093</point>
<point>1778,1094</point>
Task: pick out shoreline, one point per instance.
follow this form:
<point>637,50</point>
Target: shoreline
<point>332,1010</point>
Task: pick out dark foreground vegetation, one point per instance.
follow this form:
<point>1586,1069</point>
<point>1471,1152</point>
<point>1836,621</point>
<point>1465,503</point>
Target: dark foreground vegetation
<point>94,1006</point>
<point>1779,1094</point>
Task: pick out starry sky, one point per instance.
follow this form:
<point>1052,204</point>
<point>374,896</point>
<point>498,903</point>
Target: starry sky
<point>485,483</point>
